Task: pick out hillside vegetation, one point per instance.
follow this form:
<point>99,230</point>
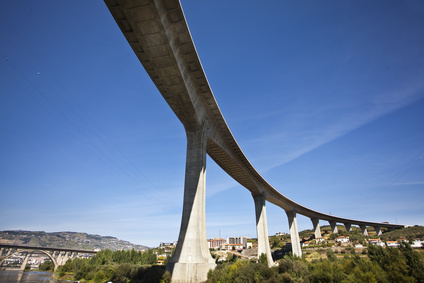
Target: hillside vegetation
<point>72,240</point>
<point>410,233</point>
<point>116,266</point>
<point>383,265</point>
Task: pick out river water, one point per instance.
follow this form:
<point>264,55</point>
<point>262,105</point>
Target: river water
<point>8,276</point>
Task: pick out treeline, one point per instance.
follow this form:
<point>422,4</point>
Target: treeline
<point>135,257</point>
<point>402,264</point>
<point>383,265</point>
<point>116,266</point>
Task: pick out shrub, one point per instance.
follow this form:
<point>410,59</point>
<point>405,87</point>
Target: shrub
<point>330,255</point>
<point>46,266</point>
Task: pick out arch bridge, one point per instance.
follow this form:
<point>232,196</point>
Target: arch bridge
<point>58,256</point>
<point>159,36</point>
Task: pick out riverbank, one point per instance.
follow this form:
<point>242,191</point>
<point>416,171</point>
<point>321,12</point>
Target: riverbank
<point>8,276</point>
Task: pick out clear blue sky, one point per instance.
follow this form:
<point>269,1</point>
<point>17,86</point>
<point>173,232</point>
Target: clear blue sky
<point>326,99</point>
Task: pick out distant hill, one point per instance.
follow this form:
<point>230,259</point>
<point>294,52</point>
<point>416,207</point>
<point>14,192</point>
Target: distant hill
<point>410,233</point>
<point>71,240</point>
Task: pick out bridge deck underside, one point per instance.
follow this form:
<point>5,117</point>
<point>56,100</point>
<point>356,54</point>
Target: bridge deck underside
<point>159,35</point>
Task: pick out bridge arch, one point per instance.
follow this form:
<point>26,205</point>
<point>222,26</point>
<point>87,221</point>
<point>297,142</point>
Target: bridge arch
<point>58,256</point>
<point>31,251</point>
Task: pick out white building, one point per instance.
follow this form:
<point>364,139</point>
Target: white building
<point>319,240</point>
<point>342,239</point>
<point>392,244</point>
<point>238,240</point>
<point>215,243</point>
<point>377,242</point>
<point>417,243</point>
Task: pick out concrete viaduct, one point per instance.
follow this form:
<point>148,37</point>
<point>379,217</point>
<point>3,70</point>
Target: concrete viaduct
<point>58,256</point>
<point>159,36</point>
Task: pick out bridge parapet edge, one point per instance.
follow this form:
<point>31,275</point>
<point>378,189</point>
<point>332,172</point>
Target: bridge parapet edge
<point>47,248</point>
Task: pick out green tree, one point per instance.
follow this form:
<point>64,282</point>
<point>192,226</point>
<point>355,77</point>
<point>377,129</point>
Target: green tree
<point>330,255</point>
<point>392,261</point>
<point>263,259</point>
<point>293,269</point>
<point>413,260</point>
<point>46,266</point>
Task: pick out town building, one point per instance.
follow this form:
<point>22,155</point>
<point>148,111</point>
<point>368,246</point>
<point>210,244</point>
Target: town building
<point>417,243</point>
<point>342,239</point>
<point>392,243</point>
<point>238,240</point>
<point>216,243</point>
<point>377,242</point>
<point>235,247</point>
<point>319,240</point>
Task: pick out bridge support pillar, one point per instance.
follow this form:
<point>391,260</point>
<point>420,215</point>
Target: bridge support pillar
<point>262,227</point>
<point>62,258</point>
<point>348,227</point>
<point>192,259</point>
<point>317,229</point>
<point>377,230</point>
<point>333,225</point>
<point>294,233</point>
<point>8,252</point>
<point>25,262</point>
<point>59,258</point>
<point>364,230</point>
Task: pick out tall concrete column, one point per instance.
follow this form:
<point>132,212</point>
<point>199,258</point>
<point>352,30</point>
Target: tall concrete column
<point>25,262</point>
<point>59,258</point>
<point>333,225</point>
<point>364,230</point>
<point>9,252</point>
<point>262,227</point>
<point>64,258</point>
<point>2,250</point>
<point>317,229</point>
<point>192,260</point>
<point>378,230</point>
<point>294,233</point>
<point>348,227</point>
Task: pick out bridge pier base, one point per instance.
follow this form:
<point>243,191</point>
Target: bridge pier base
<point>378,230</point>
<point>294,233</point>
<point>317,229</point>
<point>192,260</point>
<point>262,228</point>
<point>348,227</point>
<point>25,262</point>
<point>364,230</point>
<point>333,225</point>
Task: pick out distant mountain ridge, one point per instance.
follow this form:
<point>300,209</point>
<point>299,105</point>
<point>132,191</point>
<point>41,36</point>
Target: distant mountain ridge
<point>72,240</point>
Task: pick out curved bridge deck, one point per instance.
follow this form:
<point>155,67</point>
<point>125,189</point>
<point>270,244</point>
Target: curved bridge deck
<point>159,36</point>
